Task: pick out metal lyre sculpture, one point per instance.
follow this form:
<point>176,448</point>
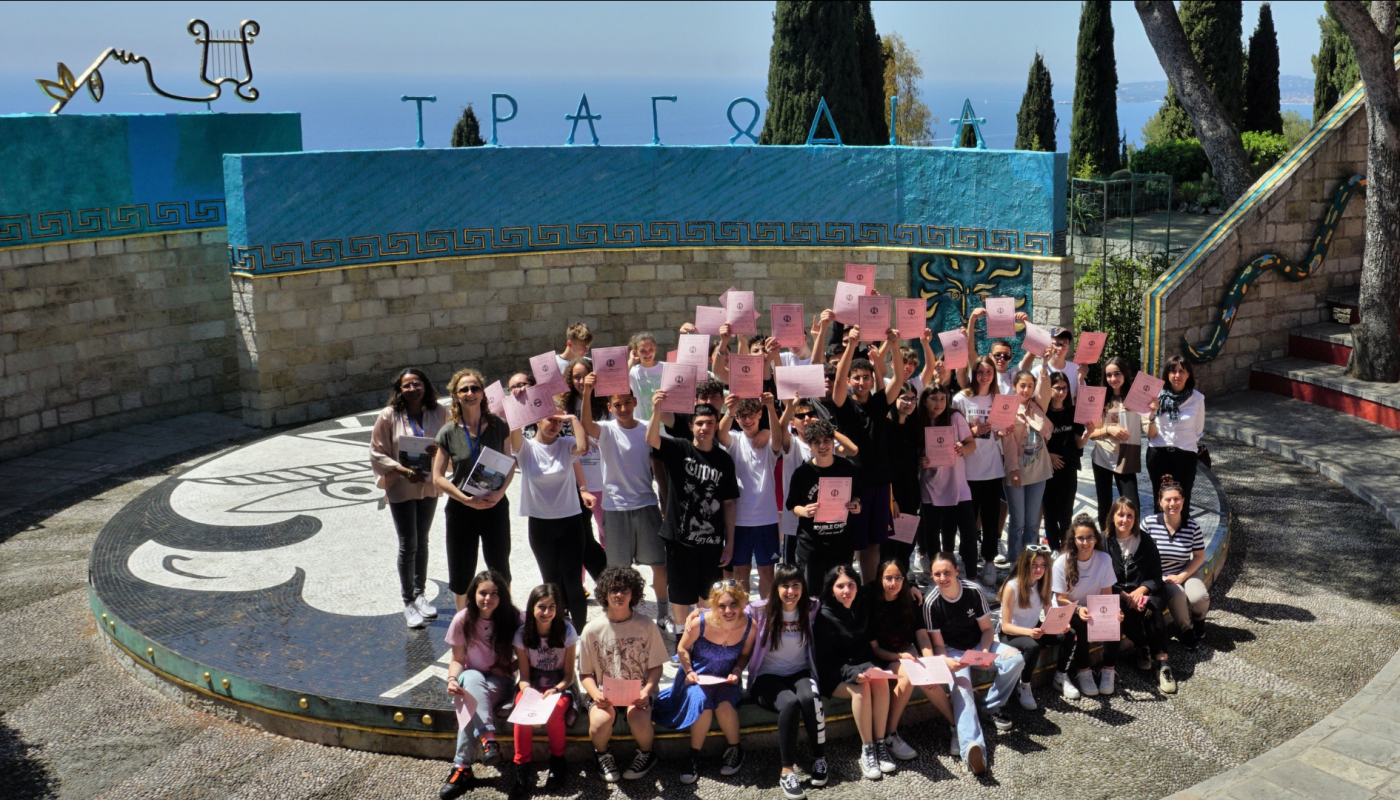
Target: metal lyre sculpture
<point>222,60</point>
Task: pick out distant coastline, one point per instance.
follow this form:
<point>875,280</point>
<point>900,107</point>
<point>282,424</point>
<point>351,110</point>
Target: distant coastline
<point>1293,90</point>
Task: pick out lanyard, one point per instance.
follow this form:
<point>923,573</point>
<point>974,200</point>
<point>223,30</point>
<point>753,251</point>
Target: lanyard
<point>412,425</point>
<point>472,443</point>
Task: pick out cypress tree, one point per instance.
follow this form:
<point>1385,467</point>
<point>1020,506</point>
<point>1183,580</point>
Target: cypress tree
<point>467,131</point>
<point>1093,131</point>
<point>816,54</point>
<point>1334,66</point>
<point>968,137</point>
<point>1261,103</point>
<point>872,75</point>
<point>1035,122</point>
<point>1214,28</point>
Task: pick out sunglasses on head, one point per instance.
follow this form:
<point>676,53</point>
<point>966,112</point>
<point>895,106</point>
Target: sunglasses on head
<point>729,584</point>
<point>1038,548</point>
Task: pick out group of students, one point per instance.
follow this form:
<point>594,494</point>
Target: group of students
<point>704,506</point>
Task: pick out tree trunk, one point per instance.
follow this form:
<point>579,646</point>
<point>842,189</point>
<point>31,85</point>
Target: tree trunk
<point>1375,354</point>
<point>1219,137</point>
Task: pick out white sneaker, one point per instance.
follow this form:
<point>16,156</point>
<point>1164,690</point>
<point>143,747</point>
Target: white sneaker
<point>1025,697</point>
<point>869,765</point>
<point>953,749</point>
<point>1001,562</point>
<point>989,574</point>
<point>413,616</point>
<point>428,610</point>
<point>1066,686</point>
<point>899,748</point>
<point>1085,680</point>
<point>1106,681</point>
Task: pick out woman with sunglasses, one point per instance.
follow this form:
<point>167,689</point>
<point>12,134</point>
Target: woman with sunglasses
<point>472,521</point>
<point>1025,597</point>
<point>413,410</point>
<point>983,465</point>
<point>946,515</point>
<point>716,644</point>
<point>1117,452</point>
<point>1174,430</point>
<point>1137,568</point>
<point>843,656</point>
<point>1083,569</point>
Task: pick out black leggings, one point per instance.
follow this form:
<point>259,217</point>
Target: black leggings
<point>1180,464</point>
<point>938,526</point>
<point>1058,504</point>
<point>558,547</point>
<point>595,558</point>
<point>789,696</point>
<point>817,561</point>
<point>1032,648</point>
<point>412,519</point>
<point>466,529</point>
<point>986,505</point>
<point>1077,641</point>
<point>1105,481</point>
<point>1146,628</point>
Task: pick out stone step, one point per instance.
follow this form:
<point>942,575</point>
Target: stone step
<point>1344,306</point>
<point>1360,455</point>
<point>1328,342</point>
<point>1327,385</point>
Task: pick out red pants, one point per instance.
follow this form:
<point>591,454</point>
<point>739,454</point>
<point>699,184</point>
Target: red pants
<point>525,734</point>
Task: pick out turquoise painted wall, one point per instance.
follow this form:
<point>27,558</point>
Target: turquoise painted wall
<point>954,286</point>
<point>323,210</point>
<point>86,176</point>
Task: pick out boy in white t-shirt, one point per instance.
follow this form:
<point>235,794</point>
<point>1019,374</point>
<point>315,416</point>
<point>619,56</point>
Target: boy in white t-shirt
<point>1062,339</point>
<point>755,453</point>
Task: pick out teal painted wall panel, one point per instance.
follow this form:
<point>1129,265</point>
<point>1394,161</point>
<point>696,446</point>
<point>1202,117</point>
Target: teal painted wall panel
<point>86,176</point>
<point>313,210</point>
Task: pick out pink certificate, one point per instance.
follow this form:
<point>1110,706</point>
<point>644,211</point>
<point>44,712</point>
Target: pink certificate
<point>620,692</point>
<point>1088,405</point>
<point>671,356</point>
<point>711,680</point>
<point>787,324</point>
<point>465,707</point>
<point>693,349</point>
<point>876,674</point>
<point>832,496</point>
<point>977,658</point>
<point>739,312</point>
<point>864,274</point>
<point>1144,390</point>
<point>909,317</point>
<point>1057,619</point>
<point>496,398</point>
<point>610,364</point>
<point>746,376</point>
<point>906,526</point>
<point>534,708</point>
<point>1090,347</point>
<point>546,369</point>
<point>874,314</point>
<point>679,382</point>
<point>936,671</point>
<point>724,298</point>
<point>938,446</point>
<point>1103,617</point>
<point>954,349</point>
<point>1003,413</point>
<point>1037,340</point>
<point>1001,317</point>
<point>708,319</point>
<point>844,306</point>
<point>805,381</point>
<point>528,408</point>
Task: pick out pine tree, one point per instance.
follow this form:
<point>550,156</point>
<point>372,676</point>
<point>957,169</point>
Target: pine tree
<point>467,131</point>
<point>816,53</point>
<point>1213,27</point>
<point>872,75</point>
<point>1261,101</point>
<point>1035,122</point>
<point>1093,130</point>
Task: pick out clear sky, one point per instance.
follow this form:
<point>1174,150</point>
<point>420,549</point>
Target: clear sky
<point>315,54</point>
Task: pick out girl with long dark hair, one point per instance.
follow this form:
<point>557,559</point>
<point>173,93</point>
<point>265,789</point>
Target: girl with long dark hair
<point>1066,446</point>
<point>1137,568</point>
<point>544,649</point>
<point>895,625</point>
<point>984,466</point>
<point>1174,430</point>
<point>1025,597</point>
<point>843,656</point>
<point>1083,569</point>
<point>946,515</point>
<point>1117,452</point>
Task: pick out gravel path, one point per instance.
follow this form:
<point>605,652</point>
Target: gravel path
<point>1307,568</point>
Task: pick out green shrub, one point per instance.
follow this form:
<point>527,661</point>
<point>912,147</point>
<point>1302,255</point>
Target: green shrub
<point>1117,308</point>
<point>1183,159</point>
<point>1264,149</point>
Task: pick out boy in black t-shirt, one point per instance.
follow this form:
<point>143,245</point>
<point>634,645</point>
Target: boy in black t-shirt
<point>822,545</point>
<point>699,524</point>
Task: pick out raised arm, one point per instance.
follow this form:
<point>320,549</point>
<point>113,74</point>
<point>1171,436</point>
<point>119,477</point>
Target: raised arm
<point>930,374</point>
<point>893,388</point>
<point>654,424</point>
<point>816,351</point>
<point>726,422</point>
<point>843,367</point>
<point>589,425</point>
<point>719,359</point>
<point>777,425</point>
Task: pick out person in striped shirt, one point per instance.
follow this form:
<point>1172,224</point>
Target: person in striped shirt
<point>1183,547</point>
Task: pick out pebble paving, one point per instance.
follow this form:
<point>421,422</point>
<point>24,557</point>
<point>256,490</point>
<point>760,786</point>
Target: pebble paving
<point>1305,613</point>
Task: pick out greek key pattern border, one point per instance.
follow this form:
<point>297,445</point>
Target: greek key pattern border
<point>52,227</point>
<point>374,248</point>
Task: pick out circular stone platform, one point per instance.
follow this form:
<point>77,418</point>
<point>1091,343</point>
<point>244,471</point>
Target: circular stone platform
<point>265,578</point>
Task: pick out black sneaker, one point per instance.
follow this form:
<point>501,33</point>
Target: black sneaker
<point>1188,638</point>
<point>459,781</point>
<point>607,766</point>
<point>1199,626</point>
<point>490,752</point>
<point>733,760</point>
<point>524,785</point>
<point>1001,720</point>
<point>691,772</point>
<point>641,765</point>
<point>819,773</point>
<point>791,786</point>
<point>558,773</point>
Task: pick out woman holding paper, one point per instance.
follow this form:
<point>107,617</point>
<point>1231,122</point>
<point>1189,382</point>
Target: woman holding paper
<point>473,520</point>
<point>1081,570</point>
<point>905,442</point>
<point>843,658</point>
<point>897,636</point>
<point>1117,453</point>
<point>1028,462</point>
<point>549,501</point>
<point>946,514</point>
<point>1066,447</point>
<point>1137,568</point>
<point>407,425</point>
<point>1025,598</point>
<point>544,650</point>
<point>713,652</point>
<point>984,465</point>
<point>1174,428</point>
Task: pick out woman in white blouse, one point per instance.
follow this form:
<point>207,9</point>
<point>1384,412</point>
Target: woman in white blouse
<point>1174,429</point>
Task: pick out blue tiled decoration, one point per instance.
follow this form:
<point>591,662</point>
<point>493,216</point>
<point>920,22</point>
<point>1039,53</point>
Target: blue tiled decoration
<point>953,286</point>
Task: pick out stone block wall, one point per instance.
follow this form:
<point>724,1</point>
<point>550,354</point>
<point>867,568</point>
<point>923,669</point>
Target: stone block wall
<point>100,335</point>
<point>1052,287</point>
<point>1283,222</point>
<point>328,342</point>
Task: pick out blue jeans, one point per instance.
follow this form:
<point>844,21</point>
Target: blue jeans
<point>965,697</point>
<point>487,691</point>
<point>1022,518</point>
